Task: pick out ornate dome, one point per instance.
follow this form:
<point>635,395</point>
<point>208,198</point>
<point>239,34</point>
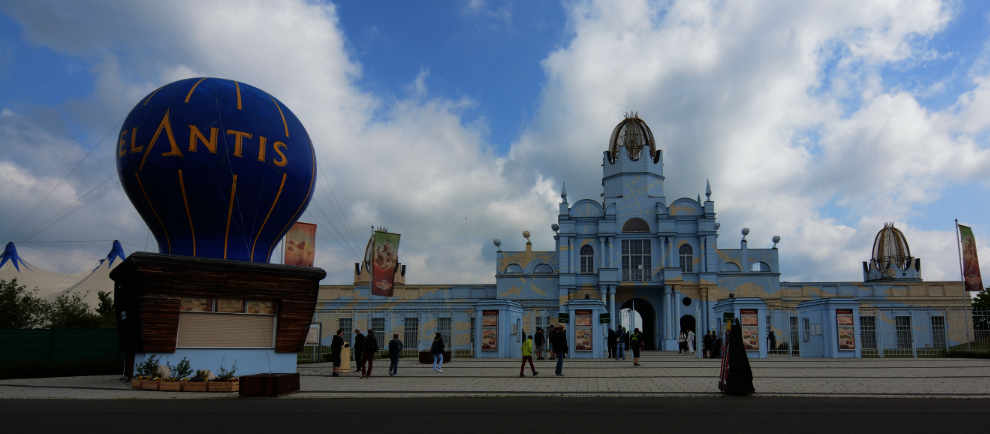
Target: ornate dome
<point>890,247</point>
<point>634,135</point>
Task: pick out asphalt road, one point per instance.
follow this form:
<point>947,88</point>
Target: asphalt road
<point>508,415</point>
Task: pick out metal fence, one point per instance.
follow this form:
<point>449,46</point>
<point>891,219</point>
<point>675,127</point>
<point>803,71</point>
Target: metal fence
<point>59,352</point>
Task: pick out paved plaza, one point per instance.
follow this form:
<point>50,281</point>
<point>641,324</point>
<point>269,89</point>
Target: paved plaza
<point>661,374</point>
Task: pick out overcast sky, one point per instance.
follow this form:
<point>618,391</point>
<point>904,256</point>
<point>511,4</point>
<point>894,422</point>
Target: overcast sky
<point>817,121</point>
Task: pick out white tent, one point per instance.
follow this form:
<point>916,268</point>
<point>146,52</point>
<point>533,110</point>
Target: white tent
<point>48,283</point>
<point>99,279</point>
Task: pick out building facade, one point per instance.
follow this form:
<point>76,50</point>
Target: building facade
<point>635,249</point>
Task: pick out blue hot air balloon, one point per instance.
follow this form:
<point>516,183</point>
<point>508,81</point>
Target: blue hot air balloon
<point>216,168</point>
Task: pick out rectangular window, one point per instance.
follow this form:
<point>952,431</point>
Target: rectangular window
<point>410,331</point>
<point>868,332</point>
<point>189,304</point>
<point>636,260</point>
<point>443,327</point>
<point>587,264</point>
<point>938,332</point>
<point>378,325</point>
<point>903,324</point>
<point>807,329</point>
<point>795,346</point>
<point>347,325</point>
<point>230,305</point>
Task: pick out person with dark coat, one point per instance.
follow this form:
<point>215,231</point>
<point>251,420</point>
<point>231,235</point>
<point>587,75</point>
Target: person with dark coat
<point>717,345</point>
<point>539,342</point>
<point>335,346</point>
<point>636,343</point>
<point>558,343</point>
<point>706,345</point>
<point>370,348</point>
<point>394,350</point>
<point>358,350</point>
<point>736,377</point>
<point>437,350</point>
<point>772,340</point>
<point>611,343</point>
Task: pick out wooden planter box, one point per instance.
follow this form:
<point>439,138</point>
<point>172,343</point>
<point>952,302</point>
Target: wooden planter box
<point>427,357</point>
<point>195,386</point>
<point>222,386</point>
<point>136,383</point>
<point>170,386</point>
<point>149,384</point>
<point>269,384</point>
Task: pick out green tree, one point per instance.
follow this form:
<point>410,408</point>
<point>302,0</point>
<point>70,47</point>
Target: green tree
<point>106,311</point>
<point>70,311</point>
<point>19,307</point>
<point>982,300</point>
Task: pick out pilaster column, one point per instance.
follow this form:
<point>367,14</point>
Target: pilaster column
<point>611,307</point>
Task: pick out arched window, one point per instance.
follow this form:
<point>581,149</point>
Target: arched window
<point>731,267</point>
<point>513,269</point>
<point>761,267</point>
<point>687,258</point>
<point>635,225</point>
<point>587,259</point>
<point>543,269</point>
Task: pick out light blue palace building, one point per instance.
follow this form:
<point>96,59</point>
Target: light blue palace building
<point>637,249</point>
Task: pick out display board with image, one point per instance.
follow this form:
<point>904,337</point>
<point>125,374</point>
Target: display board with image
<point>489,330</point>
<point>749,319</point>
<point>582,330</point>
<point>845,329</point>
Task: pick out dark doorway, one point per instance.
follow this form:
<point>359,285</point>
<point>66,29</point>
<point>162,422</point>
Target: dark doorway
<point>687,324</point>
<point>645,310</point>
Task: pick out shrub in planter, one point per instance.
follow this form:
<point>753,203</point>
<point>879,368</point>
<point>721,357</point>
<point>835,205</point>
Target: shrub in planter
<point>225,381</point>
<point>198,383</point>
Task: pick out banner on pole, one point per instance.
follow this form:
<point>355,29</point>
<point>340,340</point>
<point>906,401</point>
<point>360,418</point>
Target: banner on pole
<point>300,245</point>
<point>971,264</point>
<point>384,257</point>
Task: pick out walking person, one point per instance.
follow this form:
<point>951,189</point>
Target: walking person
<point>527,354</point>
<point>336,345</point>
<point>540,342</point>
<point>437,350</point>
<point>681,342</point>
<point>636,343</point>
<point>690,341</point>
<point>558,343</point>
<point>611,343</point>
<point>394,350</point>
<point>358,350</point>
<point>370,348</point>
<point>736,376</point>
<point>706,345</point>
<point>772,340</point>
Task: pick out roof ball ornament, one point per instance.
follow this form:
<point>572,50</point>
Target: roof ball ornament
<point>525,235</point>
<point>497,242</point>
<point>554,227</point>
<point>745,231</point>
<point>775,239</point>
<point>717,225</point>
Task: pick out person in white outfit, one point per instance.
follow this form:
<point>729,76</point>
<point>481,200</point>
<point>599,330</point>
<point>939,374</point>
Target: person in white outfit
<point>690,341</point>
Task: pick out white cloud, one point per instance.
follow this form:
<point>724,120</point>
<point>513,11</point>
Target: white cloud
<point>731,91</point>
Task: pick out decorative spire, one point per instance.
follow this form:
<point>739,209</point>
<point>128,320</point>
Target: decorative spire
<point>699,198</point>
<point>708,189</point>
<point>563,191</point>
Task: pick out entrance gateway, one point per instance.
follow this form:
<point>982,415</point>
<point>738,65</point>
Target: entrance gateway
<point>649,318</point>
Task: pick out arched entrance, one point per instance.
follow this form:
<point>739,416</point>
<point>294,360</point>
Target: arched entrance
<point>687,323</point>
<point>645,310</point>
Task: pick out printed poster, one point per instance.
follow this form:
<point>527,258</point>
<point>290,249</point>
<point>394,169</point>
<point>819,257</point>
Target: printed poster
<point>489,331</point>
<point>750,323</point>
<point>845,329</point>
<point>971,265</point>
<point>582,330</point>
<point>582,339</point>
<point>300,245</point>
<point>384,259</point>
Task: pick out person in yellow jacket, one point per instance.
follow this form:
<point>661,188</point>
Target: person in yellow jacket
<point>527,354</point>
